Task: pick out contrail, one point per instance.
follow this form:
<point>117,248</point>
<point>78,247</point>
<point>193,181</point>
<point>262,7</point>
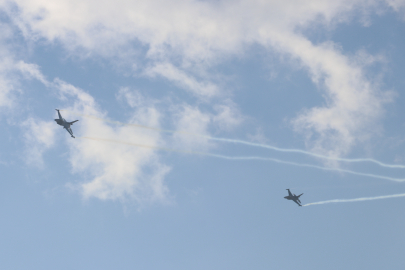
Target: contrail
<point>247,158</point>
<point>236,141</point>
<point>358,199</point>
<point>306,152</point>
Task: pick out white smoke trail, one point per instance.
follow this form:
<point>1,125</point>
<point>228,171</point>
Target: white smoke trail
<point>307,153</point>
<point>358,199</point>
<point>248,158</point>
<point>288,150</point>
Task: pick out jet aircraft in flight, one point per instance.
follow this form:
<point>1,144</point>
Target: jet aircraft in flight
<point>293,197</point>
<point>65,124</point>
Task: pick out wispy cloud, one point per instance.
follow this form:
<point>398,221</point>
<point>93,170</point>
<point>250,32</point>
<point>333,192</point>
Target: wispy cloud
<point>183,80</point>
<point>107,172</point>
<point>194,35</point>
<point>115,172</point>
<point>39,136</point>
<point>9,81</point>
<point>12,73</point>
<point>353,104</point>
<point>193,120</point>
<point>397,5</point>
<point>227,116</point>
<point>181,41</point>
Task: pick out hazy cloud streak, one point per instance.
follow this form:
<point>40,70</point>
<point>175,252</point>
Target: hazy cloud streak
<point>39,136</point>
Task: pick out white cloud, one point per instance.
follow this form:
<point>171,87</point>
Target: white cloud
<point>133,98</point>
<point>191,124</point>
<point>353,104</point>
<point>39,136</point>
<point>195,30</point>
<point>116,171</point>
<point>5,88</point>
<point>31,71</point>
<point>11,73</point>
<point>185,38</point>
<point>183,80</point>
<point>8,81</point>
<point>191,121</point>
<point>228,116</point>
<point>111,170</point>
<point>396,4</point>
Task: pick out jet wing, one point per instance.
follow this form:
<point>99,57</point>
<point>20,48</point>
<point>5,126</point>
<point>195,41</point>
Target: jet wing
<point>289,193</point>
<point>297,202</point>
<point>70,132</point>
<point>73,122</point>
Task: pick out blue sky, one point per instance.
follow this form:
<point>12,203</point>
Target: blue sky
<point>322,77</point>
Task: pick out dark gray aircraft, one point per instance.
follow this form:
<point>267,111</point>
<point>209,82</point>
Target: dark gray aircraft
<point>293,197</point>
<point>65,124</point>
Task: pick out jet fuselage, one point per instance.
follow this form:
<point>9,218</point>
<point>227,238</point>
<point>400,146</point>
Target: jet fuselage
<point>62,122</point>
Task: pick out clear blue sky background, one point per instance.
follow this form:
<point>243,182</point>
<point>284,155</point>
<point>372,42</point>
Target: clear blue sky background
<point>326,77</point>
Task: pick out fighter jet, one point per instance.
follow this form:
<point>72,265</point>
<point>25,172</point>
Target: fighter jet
<point>293,197</point>
<point>65,124</point>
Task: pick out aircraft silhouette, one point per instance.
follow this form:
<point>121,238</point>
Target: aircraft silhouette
<point>65,124</point>
<point>293,197</point>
